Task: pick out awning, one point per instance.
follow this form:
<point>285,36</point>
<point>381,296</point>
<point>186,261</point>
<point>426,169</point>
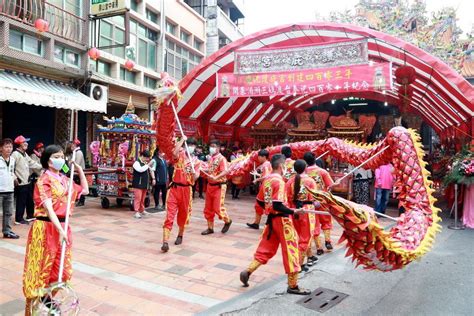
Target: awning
<point>22,88</point>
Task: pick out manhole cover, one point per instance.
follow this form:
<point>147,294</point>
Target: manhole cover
<point>322,299</point>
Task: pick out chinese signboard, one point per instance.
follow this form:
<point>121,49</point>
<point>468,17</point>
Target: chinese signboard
<point>301,57</point>
<point>350,78</point>
<point>109,7</point>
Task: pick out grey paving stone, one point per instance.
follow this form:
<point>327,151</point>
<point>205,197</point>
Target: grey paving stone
<point>119,222</point>
<point>185,252</point>
<point>12,307</point>
<point>241,245</point>
<point>224,266</point>
<point>177,269</point>
<point>100,239</point>
<point>87,231</point>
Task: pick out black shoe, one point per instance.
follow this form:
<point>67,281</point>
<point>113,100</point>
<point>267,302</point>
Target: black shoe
<point>30,219</point>
<point>304,268</point>
<point>253,225</point>
<point>11,235</point>
<point>201,197</point>
<point>208,232</point>
<point>179,240</point>
<point>298,291</point>
<point>22,222</point>
<point>244,277</point>
<point>226,227</point>
<point>328,245</point>
<point>312,260</point>
<point>79,204</point>
<point>319,252</point>
<point>165,247</point>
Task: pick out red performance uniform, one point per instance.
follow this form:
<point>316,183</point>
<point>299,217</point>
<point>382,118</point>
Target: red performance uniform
<point>279,229</point>
<point>43,247</point>
<point>215,192</point>
<point>323,181</point>
<point>266,169</point>
<point>305,224</point>
<point>179,199</point>
<point>289,163</point>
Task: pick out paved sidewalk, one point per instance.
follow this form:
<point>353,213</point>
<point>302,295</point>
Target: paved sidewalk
<point>441,283</point>
<point>119,269</point>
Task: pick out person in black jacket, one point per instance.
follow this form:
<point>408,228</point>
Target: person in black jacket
<point>140,182</point>
<point>161,176</point>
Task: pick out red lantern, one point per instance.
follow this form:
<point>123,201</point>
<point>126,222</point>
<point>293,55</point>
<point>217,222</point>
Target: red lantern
<point>129,65</point>
<point>405,75</point>
<point>41,25</point>
<point>94,53</point>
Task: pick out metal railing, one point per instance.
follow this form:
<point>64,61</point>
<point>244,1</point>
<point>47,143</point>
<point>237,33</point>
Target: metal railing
<point>61,22</point>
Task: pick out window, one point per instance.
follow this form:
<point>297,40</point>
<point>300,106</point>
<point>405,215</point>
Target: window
<point>197,44</point>
<point>143,39</point>
<point>129,76</point>
<point>26,43</point>
<point>170,28</point>
<point>150,82</point>
<point>185,37</point>
<point>71,6</point>
<point>179,60</point>
<point>112,32</point>
<point>66,56</point>
<point>152,16</point>
<point>134,5</point>
<point>101,67</point>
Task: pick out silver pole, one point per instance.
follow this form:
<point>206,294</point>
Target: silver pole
<point>456,226</point>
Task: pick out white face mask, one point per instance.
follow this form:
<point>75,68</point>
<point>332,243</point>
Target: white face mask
<point>191,149</point>
<point>212,150</point>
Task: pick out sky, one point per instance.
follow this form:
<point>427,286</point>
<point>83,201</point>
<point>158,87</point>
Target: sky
<point>262,14</point>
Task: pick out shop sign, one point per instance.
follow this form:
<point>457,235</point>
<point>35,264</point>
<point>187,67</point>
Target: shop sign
<point>109,7</point>
<point>354,78</point>
<point>301,57</point>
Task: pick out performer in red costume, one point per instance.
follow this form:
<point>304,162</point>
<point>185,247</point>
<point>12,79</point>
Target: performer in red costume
<point>279,229</point>
<point>263,170</point>
<point>323,222</point>
<point>216,188</point>
<point>299,197</point>
<point>289,171</point>
<point>179,200</point>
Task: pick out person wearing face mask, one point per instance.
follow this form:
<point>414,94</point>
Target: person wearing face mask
<point>279,229</point>
<point>43,248</point>
<point>286,151</point>
<point>234,189</point>
<point>179,201</point>
<point>216,189</point>
<point>161,175</point>
<point>263,170</point>
<point>140,182</point>
<point>324,182</point>
<point>23,190</point>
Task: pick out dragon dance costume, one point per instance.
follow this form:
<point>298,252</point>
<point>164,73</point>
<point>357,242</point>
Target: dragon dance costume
<point>43,248</point>
<point>179,200</point>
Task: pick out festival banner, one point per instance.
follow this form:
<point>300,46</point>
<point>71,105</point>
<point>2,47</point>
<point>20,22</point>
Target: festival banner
<point>301,57</point>
<point>350,78</point>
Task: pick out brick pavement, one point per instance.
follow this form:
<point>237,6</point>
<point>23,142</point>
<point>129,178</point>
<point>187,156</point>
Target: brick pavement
<point>119,269</point>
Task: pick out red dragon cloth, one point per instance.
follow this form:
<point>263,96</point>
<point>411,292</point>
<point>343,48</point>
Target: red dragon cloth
<point>367,242</point>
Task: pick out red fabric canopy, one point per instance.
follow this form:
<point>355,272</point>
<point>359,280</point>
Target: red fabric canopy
<point>440,95</point>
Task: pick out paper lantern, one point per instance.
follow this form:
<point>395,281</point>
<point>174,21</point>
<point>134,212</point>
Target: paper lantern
<point>94,53</point>
<point>41,25</point>
<point>129,65</point>
<point>405,75</point>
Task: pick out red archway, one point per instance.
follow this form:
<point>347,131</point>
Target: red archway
<point>440,95</point>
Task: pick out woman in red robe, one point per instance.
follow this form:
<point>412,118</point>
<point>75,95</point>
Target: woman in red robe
<point>43,249</point>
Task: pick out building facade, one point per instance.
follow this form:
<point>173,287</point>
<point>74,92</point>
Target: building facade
<point>42,73</point>
<point>165,35</point>
<point>224,21</point>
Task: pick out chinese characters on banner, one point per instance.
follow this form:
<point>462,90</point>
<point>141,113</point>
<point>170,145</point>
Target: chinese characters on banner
<point>351,78</point>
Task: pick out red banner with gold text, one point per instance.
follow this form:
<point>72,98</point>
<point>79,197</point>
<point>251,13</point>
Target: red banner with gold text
<point>351,78</point>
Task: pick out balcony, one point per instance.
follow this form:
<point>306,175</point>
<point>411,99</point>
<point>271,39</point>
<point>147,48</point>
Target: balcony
<point>227,27</point>
<point>61,23</point>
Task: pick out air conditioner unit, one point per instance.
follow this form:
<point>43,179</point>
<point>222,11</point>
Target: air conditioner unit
<point>99,92</point>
